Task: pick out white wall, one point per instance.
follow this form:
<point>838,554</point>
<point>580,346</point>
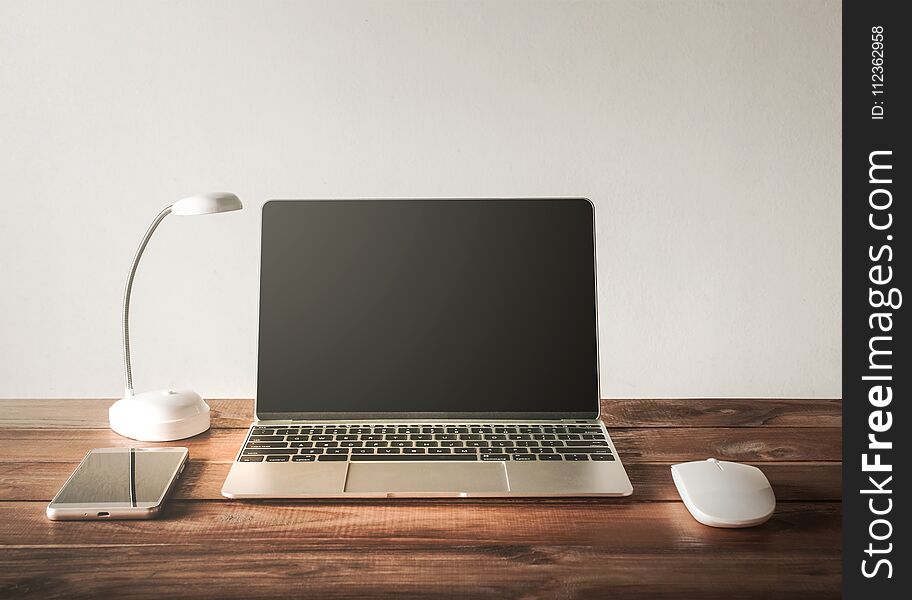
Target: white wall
<point>707,133</point>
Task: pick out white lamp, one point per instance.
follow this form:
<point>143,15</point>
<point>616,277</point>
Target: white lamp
<point>163,415</point>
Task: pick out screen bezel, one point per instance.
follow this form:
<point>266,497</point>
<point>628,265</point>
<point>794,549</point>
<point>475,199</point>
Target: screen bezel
<point>263,415</point>
<point>183,453</point>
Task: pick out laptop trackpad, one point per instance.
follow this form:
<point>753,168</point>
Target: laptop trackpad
<point>430,477</point>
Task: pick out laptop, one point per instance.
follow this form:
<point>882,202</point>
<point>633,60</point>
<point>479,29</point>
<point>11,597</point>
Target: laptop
<point>427,348</point>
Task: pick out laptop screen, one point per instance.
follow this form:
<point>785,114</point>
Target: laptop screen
<point>415,308</point>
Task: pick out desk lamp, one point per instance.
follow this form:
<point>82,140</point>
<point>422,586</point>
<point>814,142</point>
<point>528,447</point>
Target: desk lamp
<point>163,415</point>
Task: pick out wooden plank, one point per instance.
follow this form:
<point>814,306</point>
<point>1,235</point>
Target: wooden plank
<point>713,412</point>
<point>93,413</point>
<point>420,549</point>
<point>461,571</point>
<point>646,527</point>
<point>776,444</point>
<point>697,412</point>
<point>742,444</point>
<point>202,480</point>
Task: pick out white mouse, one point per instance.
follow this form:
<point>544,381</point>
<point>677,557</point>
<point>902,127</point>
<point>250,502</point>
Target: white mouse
<point>719,493</point>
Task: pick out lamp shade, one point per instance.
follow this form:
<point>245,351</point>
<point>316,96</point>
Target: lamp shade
<point>206,204</point>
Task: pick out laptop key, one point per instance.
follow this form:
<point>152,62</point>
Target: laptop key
<point>576,457</point>
<point>398,444</point>
<point>603,457</point>
<point>311,450</point>
<point>337,451</point>
<point>586,450</point>
<point>550,457</point>
<point>464,451</point>
<point>304,458</point>
<point>267,445</point>
<point>326,444</point>
<point>414,451</point>
<point>298,438</point>
<point>362,450</point>
<point>523,457</point>
<point>451,444</point>
<point>267,438</point>
<point>500,457</point>
<point>271,451</point>
<point>388,450</point>
<point>326,457</point>
<point>439,451</point>
<point>586,443</point>
<point>251,459</point>
<point>277,458</point>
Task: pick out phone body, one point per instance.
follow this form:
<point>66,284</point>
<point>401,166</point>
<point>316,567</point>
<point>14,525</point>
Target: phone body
<point>119,483</point>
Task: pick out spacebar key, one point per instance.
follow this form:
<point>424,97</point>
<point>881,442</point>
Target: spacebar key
<point>410,457</point>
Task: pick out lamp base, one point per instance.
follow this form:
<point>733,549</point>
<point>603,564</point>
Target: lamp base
<point>160,416</point>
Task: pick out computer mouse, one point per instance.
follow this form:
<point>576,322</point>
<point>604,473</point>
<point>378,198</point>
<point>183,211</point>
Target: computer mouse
<point>719,493</point>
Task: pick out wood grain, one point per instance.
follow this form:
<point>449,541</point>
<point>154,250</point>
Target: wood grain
<point>202,480</point>
<point>393,572</point>
<point>658,444</point>
<point>712,412</point>
<point>80,413</point>
<point>697,412</point>
<point>645,546</point>
<point>499,550</point>
<point>646,527</point>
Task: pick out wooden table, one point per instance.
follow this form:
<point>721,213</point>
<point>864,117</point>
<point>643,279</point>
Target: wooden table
<point>646,546</point>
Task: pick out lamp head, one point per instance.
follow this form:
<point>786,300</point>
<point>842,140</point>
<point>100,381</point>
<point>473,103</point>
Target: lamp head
<point>206,204</point>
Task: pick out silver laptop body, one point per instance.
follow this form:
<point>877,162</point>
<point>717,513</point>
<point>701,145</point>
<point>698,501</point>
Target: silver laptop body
<point>427,348</point>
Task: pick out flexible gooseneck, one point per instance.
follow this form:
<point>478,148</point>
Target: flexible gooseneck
<point>128,371</point>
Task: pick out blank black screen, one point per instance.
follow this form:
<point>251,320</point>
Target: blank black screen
<point>427,306</point>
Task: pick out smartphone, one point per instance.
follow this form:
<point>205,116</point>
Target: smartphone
<point>119,483</point>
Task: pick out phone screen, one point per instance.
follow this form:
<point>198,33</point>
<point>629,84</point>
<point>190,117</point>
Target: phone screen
<point>122,478</point>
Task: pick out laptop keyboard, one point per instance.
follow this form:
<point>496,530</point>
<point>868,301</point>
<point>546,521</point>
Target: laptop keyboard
<point>389,443</point>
